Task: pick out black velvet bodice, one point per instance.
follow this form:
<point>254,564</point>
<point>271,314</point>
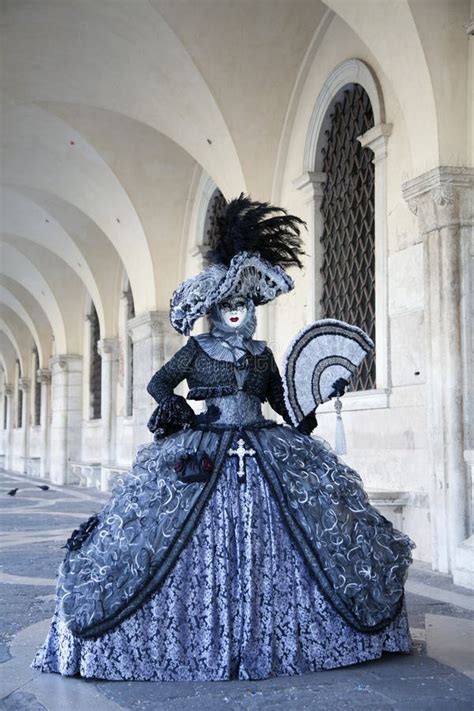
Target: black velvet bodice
<point>209,378</point>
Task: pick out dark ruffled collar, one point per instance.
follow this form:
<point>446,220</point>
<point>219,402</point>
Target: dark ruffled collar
<point>220,349</point>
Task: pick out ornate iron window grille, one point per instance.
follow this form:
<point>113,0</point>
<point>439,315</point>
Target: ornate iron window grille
<point>348,237</point>
<point>95,378</point>
<point>130,314</point>
<point>37,413</point>
<point>215,209</point>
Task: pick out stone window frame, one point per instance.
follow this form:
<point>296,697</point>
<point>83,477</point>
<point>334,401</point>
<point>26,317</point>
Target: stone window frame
<point>310,184</point>
<point>35,390</point>
<point>128,314</point>
<point>19,404</point>
<point>205,191</point>
<point>87,350</point>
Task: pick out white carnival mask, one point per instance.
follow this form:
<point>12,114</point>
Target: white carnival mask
<point>233,312</point>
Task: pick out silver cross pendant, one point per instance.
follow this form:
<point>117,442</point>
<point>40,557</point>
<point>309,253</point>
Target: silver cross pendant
<point>241,452</point>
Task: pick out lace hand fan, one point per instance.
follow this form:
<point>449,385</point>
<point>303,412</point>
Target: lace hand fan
<point>318,356</point>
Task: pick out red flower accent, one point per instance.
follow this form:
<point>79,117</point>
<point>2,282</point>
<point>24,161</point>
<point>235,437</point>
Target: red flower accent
<point>179,465</point>
<point>206,464</point>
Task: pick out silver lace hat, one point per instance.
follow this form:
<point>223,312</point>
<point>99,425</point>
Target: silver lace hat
<point>247,258</point>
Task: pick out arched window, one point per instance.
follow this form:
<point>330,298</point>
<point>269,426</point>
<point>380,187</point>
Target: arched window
<point>347,208</point>
<point>37,386</point>
<point>95,373</point>
<point>215,209</point>
<point>19,396</point>
<point>129,355</point>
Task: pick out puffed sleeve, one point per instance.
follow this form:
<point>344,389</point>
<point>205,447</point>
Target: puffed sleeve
<point>276,399</point>
<point>173,412</point>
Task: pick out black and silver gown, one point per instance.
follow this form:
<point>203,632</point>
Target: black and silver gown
<point>275,563</point>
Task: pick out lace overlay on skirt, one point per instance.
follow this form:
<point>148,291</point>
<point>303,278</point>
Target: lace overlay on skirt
<point>239,603</point>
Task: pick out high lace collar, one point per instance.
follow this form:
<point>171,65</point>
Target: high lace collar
<point>231,343</point>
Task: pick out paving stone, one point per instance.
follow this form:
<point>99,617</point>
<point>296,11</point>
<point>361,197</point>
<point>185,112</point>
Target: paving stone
<point>22,606</point>
<point>38,559</point>
<point>36,521</point>
<point>4,649</point>
<point>22,701</point>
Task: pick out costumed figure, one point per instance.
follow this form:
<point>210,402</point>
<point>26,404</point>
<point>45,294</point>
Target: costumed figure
<point>235,547</point>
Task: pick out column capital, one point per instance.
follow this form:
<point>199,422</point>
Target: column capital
<point>8,390</point>
<point>150,324</point>
<point>310,184</point>
<point>43,375</point>
<point>108,348</point>
<point>25,384</point>
<point>376,138</point>
<point>64,361</point>
<point>441,197</point>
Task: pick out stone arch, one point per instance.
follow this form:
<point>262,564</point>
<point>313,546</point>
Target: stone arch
<point>351,71</point>
<point>8,356</point>
<point>9,300</point>
<point>389,22</point>
<point>29,305</point>
<point>70,185</point>
<point>191,117</point>
<point>56,292</point>
<point>14,343</point>
<point>202,192</point>
<point>25,219</point>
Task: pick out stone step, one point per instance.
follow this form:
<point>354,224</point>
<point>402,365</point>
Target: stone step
<point>463,573</point>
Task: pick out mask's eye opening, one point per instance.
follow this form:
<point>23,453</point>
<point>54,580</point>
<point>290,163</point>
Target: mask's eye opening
<point>232,305</point>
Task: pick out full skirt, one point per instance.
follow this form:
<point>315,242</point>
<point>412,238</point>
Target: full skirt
<point>239,602</point>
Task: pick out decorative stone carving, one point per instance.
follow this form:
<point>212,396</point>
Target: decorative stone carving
<point>108,348</point>
<point>149,325</point>
<point>441,197</point>
<point>24,384</point>
<point>43,375</point>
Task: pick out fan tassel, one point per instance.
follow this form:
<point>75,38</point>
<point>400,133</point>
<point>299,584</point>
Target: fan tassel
<point>340,443</point>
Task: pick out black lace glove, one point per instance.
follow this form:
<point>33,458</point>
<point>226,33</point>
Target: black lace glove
<point>308,423</point>
<point>172,414</point>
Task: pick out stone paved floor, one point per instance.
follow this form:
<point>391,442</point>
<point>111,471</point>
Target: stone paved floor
<point>34,525</point>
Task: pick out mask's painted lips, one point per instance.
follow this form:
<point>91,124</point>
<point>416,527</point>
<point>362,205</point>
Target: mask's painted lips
<point>234,319</point>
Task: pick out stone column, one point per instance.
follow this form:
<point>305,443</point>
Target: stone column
<point>66,396</point>
<point>25,386</point>
<point>9,390</point>
<point>154,342</point>
<point>442,201</point>
<point>109,350</point>
<point>44,378</point>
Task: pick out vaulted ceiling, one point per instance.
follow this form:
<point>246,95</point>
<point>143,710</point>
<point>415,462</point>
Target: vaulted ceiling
<point>110,109</point>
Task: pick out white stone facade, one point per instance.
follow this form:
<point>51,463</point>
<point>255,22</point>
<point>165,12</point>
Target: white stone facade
<point>110,199</point>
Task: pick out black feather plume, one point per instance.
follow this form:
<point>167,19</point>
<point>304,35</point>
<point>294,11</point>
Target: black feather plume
<point>257,227</point>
